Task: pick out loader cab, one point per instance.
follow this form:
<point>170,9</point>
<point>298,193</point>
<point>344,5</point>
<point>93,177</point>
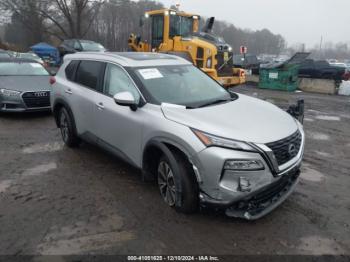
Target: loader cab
<point>167,24</point>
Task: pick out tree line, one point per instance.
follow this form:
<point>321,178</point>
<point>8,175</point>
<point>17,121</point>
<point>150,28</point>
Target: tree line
<point>108,22</point>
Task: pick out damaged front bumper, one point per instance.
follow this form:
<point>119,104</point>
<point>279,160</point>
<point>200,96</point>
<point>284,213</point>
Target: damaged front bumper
<point>246,194</point>
<point>265,200</point>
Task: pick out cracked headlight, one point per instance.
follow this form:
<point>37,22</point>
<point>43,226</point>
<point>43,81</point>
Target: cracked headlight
<point>9,93</point>
<point>211,140</point>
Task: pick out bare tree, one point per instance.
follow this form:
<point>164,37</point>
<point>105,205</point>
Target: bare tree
<point>59,18</point>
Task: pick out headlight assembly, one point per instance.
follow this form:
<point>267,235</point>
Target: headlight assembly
<point>244,165</point>
<point>9,93</point>
<point>211,140</point>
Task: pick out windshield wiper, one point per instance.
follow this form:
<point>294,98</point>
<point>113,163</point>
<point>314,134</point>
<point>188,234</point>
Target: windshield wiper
<point>217,101</point>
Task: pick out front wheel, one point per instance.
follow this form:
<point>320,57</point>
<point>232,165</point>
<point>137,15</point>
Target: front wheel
<point>66,125</point>
<point>177,183</point>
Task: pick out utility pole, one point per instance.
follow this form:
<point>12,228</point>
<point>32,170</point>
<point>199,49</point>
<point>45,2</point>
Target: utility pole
<point>321,46</point>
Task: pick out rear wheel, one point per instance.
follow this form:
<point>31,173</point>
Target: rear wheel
<point>179,190</point>
<point>66,125</point>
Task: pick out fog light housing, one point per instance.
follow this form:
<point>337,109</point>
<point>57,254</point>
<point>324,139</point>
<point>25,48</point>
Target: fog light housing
<point>244,165</point>
<point>244,184</point>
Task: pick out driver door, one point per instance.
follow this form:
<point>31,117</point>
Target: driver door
<point>157,30</point>
<point>118,128</point>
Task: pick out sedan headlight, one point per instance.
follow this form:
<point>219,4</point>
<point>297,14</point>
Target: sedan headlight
<point>211,140</point>
<point>9,93</point>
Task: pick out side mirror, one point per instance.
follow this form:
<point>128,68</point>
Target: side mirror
<point>126,99</point>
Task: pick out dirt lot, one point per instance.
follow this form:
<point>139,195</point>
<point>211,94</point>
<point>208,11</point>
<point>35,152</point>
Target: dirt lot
<point>55,200</point>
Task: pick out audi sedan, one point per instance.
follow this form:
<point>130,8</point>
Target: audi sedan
<point>24,86</point>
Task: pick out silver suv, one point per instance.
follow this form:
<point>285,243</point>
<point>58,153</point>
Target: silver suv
<point>204,145</point>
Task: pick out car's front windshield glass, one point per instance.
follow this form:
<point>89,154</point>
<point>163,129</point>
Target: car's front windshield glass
<point>22,69</point>
<point>181,85</point>
<point>91,46</point>
<point>29,56</point>
<point>4,55</point>
<point>180,25</point>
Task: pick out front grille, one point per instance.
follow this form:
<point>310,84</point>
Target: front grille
<point>287,148</point>
<point>36,99</point>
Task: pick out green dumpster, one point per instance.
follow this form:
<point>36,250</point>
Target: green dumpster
<point>282,76</point>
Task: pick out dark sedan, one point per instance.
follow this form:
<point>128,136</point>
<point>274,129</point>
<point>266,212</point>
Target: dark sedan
<point>24,86</point>
<point>321,69</point>
<point>72,46</point>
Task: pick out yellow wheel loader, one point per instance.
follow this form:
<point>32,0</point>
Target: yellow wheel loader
<point>177,33</point>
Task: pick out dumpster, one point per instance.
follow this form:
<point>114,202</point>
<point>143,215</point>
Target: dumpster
<point>282,76</point>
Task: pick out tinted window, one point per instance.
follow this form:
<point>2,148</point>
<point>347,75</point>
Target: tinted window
<point>88,74</point>
<point>91,46</point>
<point>68,43</point>
<point>118,81</point>
<point>70,70</point>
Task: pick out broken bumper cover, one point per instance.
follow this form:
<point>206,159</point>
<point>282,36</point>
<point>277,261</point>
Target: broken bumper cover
<point>265,200</point>
<point>258,203</point>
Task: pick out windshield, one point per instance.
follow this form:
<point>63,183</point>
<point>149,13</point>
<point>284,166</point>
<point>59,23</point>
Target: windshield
<point>29,56</point>
<point>22,69</point>
<point>180,25</point>
<point>181,85</point>
<point>4,55</point>
<point>92,46</point>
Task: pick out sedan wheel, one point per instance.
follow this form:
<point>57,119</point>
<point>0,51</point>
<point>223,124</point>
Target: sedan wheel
<point>166,183</point>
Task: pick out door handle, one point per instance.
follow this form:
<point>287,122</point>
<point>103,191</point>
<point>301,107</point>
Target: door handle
<point>100,106</point>
<point>68,91</point>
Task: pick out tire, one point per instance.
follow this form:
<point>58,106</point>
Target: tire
<point>67,127</point>
<point>184,200</point>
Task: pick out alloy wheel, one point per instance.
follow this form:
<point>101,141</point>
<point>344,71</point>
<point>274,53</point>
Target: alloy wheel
<point>166,183</point>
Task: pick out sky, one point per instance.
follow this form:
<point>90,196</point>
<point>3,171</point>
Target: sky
<point>298,21</point>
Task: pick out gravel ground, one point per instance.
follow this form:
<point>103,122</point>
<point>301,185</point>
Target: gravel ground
<point>55,200</point>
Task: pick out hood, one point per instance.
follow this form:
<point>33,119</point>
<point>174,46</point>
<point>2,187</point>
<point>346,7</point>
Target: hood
<point>25,83</point>
<point>245,119</point>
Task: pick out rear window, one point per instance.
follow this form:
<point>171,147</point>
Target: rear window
<point>70,70</point>
<point>22,69</point>
<point>89,74</point>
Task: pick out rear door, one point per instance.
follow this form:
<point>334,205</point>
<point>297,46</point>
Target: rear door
<point>118,127</point>
<point>81,93</point>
